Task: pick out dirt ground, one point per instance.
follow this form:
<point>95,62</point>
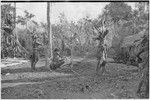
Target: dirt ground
<point>19,82</point>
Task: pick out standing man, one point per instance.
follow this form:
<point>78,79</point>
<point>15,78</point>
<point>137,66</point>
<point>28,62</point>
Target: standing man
<point>101,50</point>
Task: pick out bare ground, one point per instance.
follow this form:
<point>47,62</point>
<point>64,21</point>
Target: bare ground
<point>120,81</point>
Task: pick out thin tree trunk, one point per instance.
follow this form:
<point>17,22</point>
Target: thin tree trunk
<point>48,30</point>
<point>51,35</point>
<point>15,26</point>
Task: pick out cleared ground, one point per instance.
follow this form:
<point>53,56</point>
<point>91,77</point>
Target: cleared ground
<point>19,82</point>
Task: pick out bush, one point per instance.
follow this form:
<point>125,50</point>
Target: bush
<point>121,56</point>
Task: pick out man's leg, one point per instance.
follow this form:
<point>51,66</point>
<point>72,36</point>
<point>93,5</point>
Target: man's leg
<point>34,60</point>
<point>103,67</point>
<point>98,66</point>
<point>32,65</point>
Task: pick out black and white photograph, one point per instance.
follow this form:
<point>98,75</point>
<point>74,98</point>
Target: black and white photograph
<point>74,50</point>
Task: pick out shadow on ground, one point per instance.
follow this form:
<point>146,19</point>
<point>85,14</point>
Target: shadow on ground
<point>23,73</point>
<point>22,70</point>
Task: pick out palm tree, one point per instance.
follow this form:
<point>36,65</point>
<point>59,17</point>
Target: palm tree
<point>49,30</point>
<point>51,34</point>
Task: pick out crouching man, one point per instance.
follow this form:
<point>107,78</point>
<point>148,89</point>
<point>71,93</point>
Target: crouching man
<point>57,60</point>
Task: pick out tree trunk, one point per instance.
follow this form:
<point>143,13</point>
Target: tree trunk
<point>49,45</point>
<point>51,35</point>
<point>14,27</point>
<point>48,30</point>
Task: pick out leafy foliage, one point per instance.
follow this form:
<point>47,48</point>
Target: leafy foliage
<point>8,44</point>
<point>118,11</point>
<point>25,19</point>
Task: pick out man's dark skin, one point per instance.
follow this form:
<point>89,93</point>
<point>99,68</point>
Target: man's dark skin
<point>34,55</point>
<point>100,49</point>
<point>57,60</point>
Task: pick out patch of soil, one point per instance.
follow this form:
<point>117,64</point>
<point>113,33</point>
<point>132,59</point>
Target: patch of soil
<point>116,84</point>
